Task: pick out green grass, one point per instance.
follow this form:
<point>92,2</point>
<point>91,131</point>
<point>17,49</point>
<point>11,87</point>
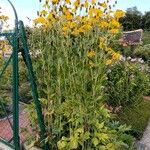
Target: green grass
<point>136,116</point>
<point>146,37</point>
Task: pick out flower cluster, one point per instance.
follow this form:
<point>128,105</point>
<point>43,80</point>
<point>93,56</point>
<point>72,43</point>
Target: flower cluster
<point>76,18</point>
<point>80,16</point>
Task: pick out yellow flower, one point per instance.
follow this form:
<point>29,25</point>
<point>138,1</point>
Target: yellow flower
<point>104,5</point>
<point>115,23</point>
<point>91,53</point>
<point>119,13</point>
<point>86,27</point>
<point>81,30</point>
<point>109,62</point>
<point>72,25</point>
<point>40,20</point>
<point>44,12</point>
<point>77,3</point>
<point>65,29</point>
<point>109,50</point>
<point>91,63</point>
<point>114,31</point>
<point>93,2</point>
<point>78,18</point>
<point>50,17</point>
<point>55,1</point>
<point>67,1</point>
<point>75,32</point>
<point>102,39</point>
<point>69,16</point>
<point>101,46</point>
<point>103,24</point>
<point>102,43</point>
<point>86,4</point>
<point>95,12</point>
<point>116,56</point>
<point>4,18</point>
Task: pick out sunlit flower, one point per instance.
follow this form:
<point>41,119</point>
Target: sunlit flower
<point>104,5</point>
<point>77,3</point>
<point>115,23</point>
<point>103,24</point>
<point>67,1</point>
<point>114,31</point>
<point>55,1</point>
<point>91,63</point>
<point>86,4</point>
<point>119,13</point>
<point>91,53</point>
<point>116,56</point>
<point>109,62</point>
<point>41,20</point>
<point>3,17</point>
<point>93,2</point>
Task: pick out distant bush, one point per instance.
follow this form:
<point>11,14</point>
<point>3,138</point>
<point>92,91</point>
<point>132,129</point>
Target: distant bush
<point>143,52</point>
<point>127,83</point>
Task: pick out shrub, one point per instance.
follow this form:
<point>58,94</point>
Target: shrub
<point>126,84</point>
<point>143,52</point>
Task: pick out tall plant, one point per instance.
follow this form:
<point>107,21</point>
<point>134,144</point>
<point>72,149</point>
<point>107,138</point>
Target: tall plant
<point>70,54</point>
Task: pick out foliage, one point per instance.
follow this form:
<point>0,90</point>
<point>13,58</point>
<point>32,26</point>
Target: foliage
<point>132,19</point>
<point>127,83</point>
<point>146,38</point>
<point>5,89</point>
<point>137,116</point>
<point>146,21</point>
<point>70,53</point>
<point>143,52</point>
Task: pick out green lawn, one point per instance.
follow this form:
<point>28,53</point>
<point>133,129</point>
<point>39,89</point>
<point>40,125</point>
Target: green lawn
<point>136,116</point>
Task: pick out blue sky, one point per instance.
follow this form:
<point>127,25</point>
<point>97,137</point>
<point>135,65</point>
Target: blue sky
<point>142,5</point>
<point>28,8</point>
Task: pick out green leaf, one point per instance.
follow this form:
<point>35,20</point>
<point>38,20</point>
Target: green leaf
<point>86,135</point>
<point>80,130</point>
<point>99,125</point>
<point>95,141</point>
<point>73,143</point>
<point>61,144</point>
<point>103,137</point>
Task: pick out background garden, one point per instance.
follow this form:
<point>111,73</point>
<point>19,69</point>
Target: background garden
<point>94,91</point>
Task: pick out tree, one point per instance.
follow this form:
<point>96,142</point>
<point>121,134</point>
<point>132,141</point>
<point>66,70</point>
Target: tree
<point>146,21</point>
<point>132,19</point>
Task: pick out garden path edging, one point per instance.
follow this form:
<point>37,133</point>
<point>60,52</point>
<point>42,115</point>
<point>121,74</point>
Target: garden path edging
<point>144,143</point>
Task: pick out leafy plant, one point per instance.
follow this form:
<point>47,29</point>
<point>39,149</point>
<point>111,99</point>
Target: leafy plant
<point>143,51</point>
<point>127,83</point>
<point>70,53</point>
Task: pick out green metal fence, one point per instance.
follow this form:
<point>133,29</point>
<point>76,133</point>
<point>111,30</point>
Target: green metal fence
<point>15,38</point>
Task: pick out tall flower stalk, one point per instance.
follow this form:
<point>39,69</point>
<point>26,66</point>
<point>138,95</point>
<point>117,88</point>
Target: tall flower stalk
<point>70,68</point>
